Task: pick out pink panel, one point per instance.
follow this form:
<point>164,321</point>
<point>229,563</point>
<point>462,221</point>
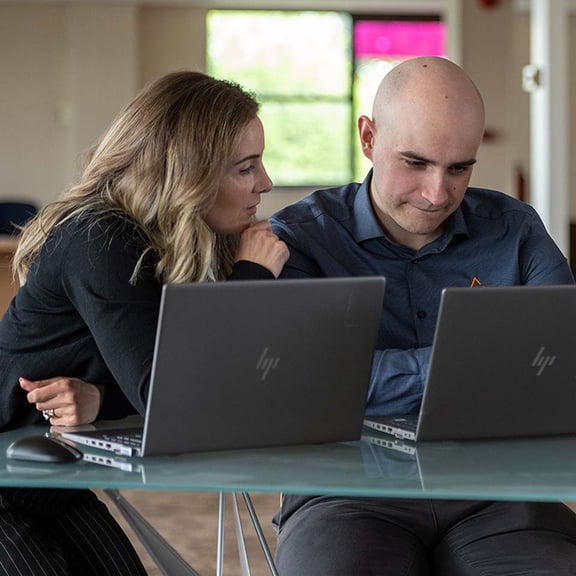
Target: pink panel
<point>398,39</point>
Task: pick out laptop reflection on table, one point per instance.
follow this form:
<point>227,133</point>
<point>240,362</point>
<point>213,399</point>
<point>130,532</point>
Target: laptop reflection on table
<point>481,466</point>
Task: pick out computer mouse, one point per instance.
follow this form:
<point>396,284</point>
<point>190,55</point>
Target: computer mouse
<point>42,449</point>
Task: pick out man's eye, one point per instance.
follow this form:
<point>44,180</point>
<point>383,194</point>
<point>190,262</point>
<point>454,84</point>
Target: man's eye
<point>459,169</point>
<point>415,163</point>
<point>248,170</point>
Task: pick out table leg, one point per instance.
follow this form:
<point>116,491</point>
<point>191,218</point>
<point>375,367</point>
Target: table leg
<point>242,554</point>
<point>169,561</point>
<point>165,556</point>
<point>260,534</point>
<point>221,520</point>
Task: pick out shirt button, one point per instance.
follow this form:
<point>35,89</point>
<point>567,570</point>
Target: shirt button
<point>421,314</point>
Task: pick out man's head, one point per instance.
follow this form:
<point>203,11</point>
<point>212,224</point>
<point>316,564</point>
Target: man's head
<point>427,124</point>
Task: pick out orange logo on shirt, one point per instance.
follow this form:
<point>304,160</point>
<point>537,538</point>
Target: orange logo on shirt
<point>475,282</point>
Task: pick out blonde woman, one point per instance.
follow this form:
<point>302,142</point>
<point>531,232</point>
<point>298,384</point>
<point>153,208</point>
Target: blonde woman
<point>169,195</point>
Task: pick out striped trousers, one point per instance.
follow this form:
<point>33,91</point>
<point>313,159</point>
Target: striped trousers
<point>55,532</point>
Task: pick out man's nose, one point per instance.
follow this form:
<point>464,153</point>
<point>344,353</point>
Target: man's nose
<point>435,190</point>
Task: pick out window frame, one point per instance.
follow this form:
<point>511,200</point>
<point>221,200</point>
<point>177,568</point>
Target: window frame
<point>404,12</point>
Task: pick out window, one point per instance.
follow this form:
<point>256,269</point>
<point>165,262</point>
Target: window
<point>314,72</point>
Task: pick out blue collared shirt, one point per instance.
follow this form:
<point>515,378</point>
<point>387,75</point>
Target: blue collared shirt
<point>492,239</point>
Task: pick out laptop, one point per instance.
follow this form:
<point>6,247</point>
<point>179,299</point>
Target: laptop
<point>255,363</point>
<point>502,366</point>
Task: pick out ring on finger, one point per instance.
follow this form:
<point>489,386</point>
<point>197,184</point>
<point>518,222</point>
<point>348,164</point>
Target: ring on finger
<point>48,414</point>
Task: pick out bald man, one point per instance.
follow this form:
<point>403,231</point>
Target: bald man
<point>416,221</point>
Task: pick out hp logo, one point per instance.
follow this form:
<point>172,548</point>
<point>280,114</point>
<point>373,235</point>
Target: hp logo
<point>266,363</point>
<point>542,361</point>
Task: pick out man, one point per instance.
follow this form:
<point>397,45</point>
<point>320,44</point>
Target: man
<point>415,220</point>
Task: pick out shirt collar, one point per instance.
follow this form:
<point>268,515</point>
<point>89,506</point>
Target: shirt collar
<point>456,224</point>
<point>365,225</point>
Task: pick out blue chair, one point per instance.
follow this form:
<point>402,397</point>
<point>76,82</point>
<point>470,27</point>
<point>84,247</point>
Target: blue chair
<point>14,214</point>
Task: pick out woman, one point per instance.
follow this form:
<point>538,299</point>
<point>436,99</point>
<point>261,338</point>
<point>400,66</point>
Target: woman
<point>169,195</point>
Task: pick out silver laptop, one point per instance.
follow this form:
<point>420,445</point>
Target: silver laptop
<point>502,365</point>
<point>256,363</point>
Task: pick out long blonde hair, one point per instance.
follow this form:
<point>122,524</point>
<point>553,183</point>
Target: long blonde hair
<point>159,164</point>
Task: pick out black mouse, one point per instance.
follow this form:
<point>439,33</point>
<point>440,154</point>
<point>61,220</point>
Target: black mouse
<point>42,449</point>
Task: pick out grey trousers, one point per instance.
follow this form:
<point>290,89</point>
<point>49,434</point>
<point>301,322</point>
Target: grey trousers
<point>400,537</point>
<point>45,532</point>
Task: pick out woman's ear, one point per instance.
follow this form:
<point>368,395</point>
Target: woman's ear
<point>366,133</point>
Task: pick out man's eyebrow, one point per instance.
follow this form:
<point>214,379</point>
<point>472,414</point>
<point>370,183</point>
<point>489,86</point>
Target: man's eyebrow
<point>419,158</point>
<point>246,158</point>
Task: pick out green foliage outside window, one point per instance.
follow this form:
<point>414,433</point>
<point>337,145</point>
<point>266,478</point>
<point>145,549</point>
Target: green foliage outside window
<point>299,66</point>
<point>312,87</point>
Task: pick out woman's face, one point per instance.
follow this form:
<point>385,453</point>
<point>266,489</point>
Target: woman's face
<point>244,180</point>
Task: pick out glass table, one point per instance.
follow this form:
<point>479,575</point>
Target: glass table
<point>542,469</point>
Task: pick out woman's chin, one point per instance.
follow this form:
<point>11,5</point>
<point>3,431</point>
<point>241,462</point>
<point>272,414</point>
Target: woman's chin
<point>236,228</point>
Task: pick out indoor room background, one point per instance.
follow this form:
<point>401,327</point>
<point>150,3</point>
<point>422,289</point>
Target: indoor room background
<point>67,67</point>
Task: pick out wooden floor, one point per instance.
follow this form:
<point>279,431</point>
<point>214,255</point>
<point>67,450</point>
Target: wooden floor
<point>189,521</point>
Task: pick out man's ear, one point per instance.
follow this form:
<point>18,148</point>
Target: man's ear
<point>366,132</point>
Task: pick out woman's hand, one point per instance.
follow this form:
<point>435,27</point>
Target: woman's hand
<point>260,245</point>
<point>67,401</point>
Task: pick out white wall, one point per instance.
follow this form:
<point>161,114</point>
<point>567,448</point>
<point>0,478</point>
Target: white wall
<point>66,71</point>
<point>101,65</point>
<point>489,63</point>
<point>33,132</point>
<point>171,38</point>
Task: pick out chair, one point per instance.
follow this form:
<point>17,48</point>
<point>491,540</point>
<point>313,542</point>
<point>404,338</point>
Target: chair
<point>15,214</point>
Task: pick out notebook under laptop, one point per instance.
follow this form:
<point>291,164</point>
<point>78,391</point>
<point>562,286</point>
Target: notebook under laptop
<point>257,363</point>
<point>502,365</point>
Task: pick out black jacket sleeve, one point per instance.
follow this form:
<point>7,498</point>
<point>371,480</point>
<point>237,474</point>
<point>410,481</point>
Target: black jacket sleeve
<point>245,270</point>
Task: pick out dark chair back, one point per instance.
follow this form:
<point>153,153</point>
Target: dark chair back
<point>14,214</point>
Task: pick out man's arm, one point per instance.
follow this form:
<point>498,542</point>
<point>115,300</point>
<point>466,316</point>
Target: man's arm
<point>540,259</point>
<point>397,381</point>
<point>398,376</point>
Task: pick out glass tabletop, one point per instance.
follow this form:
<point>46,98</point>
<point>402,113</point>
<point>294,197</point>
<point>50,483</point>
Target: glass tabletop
<point>521,469</point>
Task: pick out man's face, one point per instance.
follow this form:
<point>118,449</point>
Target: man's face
<point>422,166</point>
